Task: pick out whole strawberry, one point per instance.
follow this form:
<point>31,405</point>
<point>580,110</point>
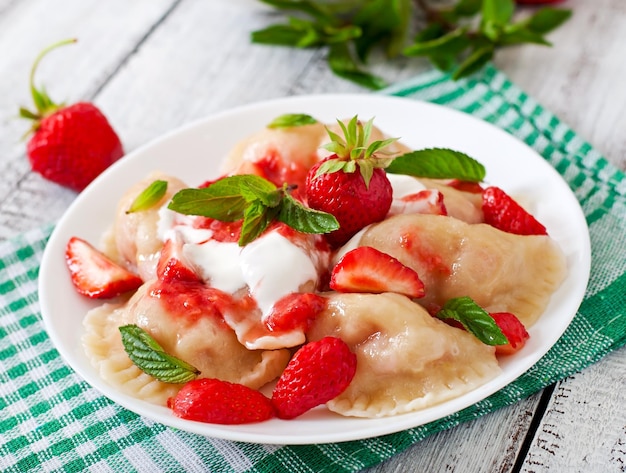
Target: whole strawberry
<point>71,145</point>
<point>220,402</point>
<point>351,184</point>
<point>318,372</point>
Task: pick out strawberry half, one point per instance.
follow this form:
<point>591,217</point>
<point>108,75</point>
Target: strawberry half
<point>220,402</point>
<point>318,372</point>
<point>71,145</point>
<point>503,213</point>
<point>513,330</point>
<point>351,183</point>
<point>366,269</point>
<point>94,274</point>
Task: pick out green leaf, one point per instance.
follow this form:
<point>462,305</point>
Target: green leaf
<point>279,35</point>
<point>474,318</point>
<point>304,219</point>
<point>438,163</point>
<point>227,208</point>
<point>547,19</point>
<point>149,356</point>
<point>256,219</point>
<point>289,120</point>
<point>498,12</point>
<point>450,43</point>
<point>519,33</point>
<point>342,63</point>
<point>467,7</point>
<point>474,62</point>
<point>149,197</point>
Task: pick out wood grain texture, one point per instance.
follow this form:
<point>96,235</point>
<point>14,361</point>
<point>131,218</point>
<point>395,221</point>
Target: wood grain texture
<point>154,65</point>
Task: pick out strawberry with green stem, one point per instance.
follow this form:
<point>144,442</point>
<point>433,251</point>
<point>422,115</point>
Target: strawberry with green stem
<point>71,145</point>
<point>351,184</point>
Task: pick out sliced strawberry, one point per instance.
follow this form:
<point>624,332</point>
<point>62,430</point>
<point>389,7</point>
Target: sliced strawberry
<point>94,274</point>
<point>220,402</point>
<point>295,311</point>
<point>318,372</point>
<point>513,330</point>
<point>173,265</point>
<point>503,213</point>
<point>366,269</point>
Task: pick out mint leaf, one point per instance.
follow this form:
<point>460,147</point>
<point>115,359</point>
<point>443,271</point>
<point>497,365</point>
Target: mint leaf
<point>474,318</point>
<point>477,59</point>
<point>148,356</point>
<point>438,163</point>
<point>148,197</point>
<point>256,201</point>
<point>342,64</point>
<point>292,119</point>
<point>498,12</point>
<point>547,19</point>
<point>304,219</point>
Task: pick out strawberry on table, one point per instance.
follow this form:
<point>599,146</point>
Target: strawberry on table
<point>94,274</point>
<point>71,145</point>
<point>220,402</point>
<point>502,212</point>
<point>366,269</point>
<point>351,184</point>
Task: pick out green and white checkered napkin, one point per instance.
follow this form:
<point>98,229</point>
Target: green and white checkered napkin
<point>53,421</point>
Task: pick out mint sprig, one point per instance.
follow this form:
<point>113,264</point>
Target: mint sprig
<point>148,356</point>
<point>458,36</point>
<point>148,197</point>
<point>438,163</point>
<point>474,319</point>
<point>256,201</point>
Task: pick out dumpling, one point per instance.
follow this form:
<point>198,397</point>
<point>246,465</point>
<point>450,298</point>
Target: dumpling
<point>406,359</point>
<point>134,239</point>
<point>196,334</point>
<point>502,272</point>
<point>277,154</point>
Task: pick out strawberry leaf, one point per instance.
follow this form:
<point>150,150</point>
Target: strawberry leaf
<point>474,318</point>
<point>438,163</point>
<point>148,356</point>
<point>149,197</point>
<point>292,119</point>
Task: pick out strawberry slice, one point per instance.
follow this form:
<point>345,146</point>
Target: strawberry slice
<point>220,402</point>
<point>513,330</point>
<point>366,269</point>
<point>503,213</point>
<point>318,372</point>
<point>94,274</point>
<point>295,311</point>
<point>173,265</point>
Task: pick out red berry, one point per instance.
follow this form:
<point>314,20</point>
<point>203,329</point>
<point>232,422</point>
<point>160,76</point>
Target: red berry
<point>220,402</point>
<point>353,203</point>
<point>317,373</point>
<point>173,265</point>
<point>366,269</point>
<point>71,145</point>
<point>503,213</point>
<point>94,274</point>
<point>513,330</point>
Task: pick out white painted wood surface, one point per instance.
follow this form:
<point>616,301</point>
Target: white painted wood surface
<point>153,65</point>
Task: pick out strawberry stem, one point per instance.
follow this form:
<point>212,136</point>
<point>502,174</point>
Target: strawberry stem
<point>41,99</point>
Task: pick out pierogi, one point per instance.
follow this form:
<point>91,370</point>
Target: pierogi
<point>406,359</point>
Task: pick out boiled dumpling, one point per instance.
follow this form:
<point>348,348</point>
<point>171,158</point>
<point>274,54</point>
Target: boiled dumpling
<point>406,359</point>
<point>196,334</point>
<point>502,272</point>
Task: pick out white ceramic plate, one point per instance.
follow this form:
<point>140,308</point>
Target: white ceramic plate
<point>194,154</point>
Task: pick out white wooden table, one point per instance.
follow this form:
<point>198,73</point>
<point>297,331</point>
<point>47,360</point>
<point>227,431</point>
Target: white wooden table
<point>153,65</point>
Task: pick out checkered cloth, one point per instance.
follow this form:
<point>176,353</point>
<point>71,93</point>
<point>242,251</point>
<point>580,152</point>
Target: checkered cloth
<point>53,421</point>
